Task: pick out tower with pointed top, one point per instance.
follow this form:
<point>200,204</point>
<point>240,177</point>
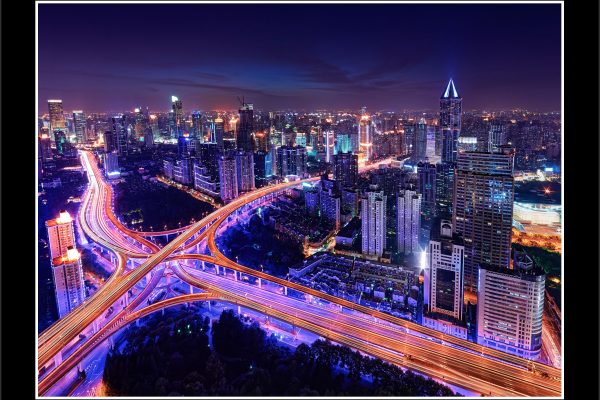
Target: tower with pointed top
<point>450,121</point>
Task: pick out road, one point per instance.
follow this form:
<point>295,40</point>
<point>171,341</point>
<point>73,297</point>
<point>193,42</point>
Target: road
<point>464,367</point>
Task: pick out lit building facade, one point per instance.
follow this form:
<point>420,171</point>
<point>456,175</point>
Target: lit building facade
<point>450,121</point>
<point>444,277</point>
<point>510,306</point>
<point>228,178</point>
<point>373,220</point>
<point>67,274</point>
<point>483,209</point>
<point>408,221</point>
<point>365,137</point>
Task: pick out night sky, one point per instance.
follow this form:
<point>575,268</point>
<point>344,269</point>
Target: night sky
<point>113,57</point>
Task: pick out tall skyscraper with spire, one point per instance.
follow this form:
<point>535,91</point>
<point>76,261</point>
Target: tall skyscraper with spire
<point>450,121</point>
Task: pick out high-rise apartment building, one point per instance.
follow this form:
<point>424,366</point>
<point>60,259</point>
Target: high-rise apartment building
<point>61,235</point>
<point>408,221</point>
<point>244,161</point>
<point>67,274</point>
<point>228,178</point>
<point>373,219</point>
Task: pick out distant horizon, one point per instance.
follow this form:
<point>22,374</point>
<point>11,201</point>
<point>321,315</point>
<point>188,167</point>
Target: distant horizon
<point>300,56</point>
<point>69,110</point>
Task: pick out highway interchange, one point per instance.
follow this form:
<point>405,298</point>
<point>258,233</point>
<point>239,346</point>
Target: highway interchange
<point>402,342</point>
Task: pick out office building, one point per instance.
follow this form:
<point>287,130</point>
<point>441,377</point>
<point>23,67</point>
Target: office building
<point>228,178</point>
<point>444,189</point>
<point>197,131</point>
<point>467,143</point>
<point>245,171</point>
<point>312,199</point>
<point>426,186</point>
<point>79,126</point>
<point>245,129</point>
<point>111,165</point>
<point>329,145</point>
<point>496,136</point>
<point>262,168</point>
<point>177,117</point>
<point>444,275</point>
<point>373,220</point>
<point>291,161</point>
<point>365,137</point>
<point>330,205</point>
<point>57,116</point>
<point>204,182</point>
<point>419,148</point>
<point>219,132</point>
<point>450,121</point>
<point>120,134</point>
<point>343,144</point>
<point>110,142</point>
<point>408,221</point>
<point>45,146</point>
<point>183,171</point>
<point>510,306</point>
<point>483,209</point>
<point>345,168</point>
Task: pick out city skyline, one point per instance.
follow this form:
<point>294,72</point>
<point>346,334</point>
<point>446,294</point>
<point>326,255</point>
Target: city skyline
<point>315,61</point>
<point>340,193</point>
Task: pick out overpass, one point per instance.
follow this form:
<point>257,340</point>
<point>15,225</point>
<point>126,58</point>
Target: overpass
<point>472,365</point>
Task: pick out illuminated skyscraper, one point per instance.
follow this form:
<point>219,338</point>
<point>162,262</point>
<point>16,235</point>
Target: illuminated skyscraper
<point>177,115</point>
<point>291,161</point>
<point>244,166</point>
<point>228,178</point>
<point>497,136</point>
<point>373,220</point>
<point>61,235</point>
<point>329,145</point>
<point>345,168</point>
<point>444,277</point>
<point>57,116</point>
<point>444,189</point>
<point>450,121</point>
<point>69,287</point>
<point>419,148</point>
<point>409,221</point>
<point>111,165</point>
<point>79,124</point>
<point>197,126</point>
<point>45,149</point>
<point>219,131</point>
<point>141,122</point>
<point>66,265</point>
<point>120,135</point>
<point>245,132</point>
<point>365,137</point>
<point>483,209</point>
